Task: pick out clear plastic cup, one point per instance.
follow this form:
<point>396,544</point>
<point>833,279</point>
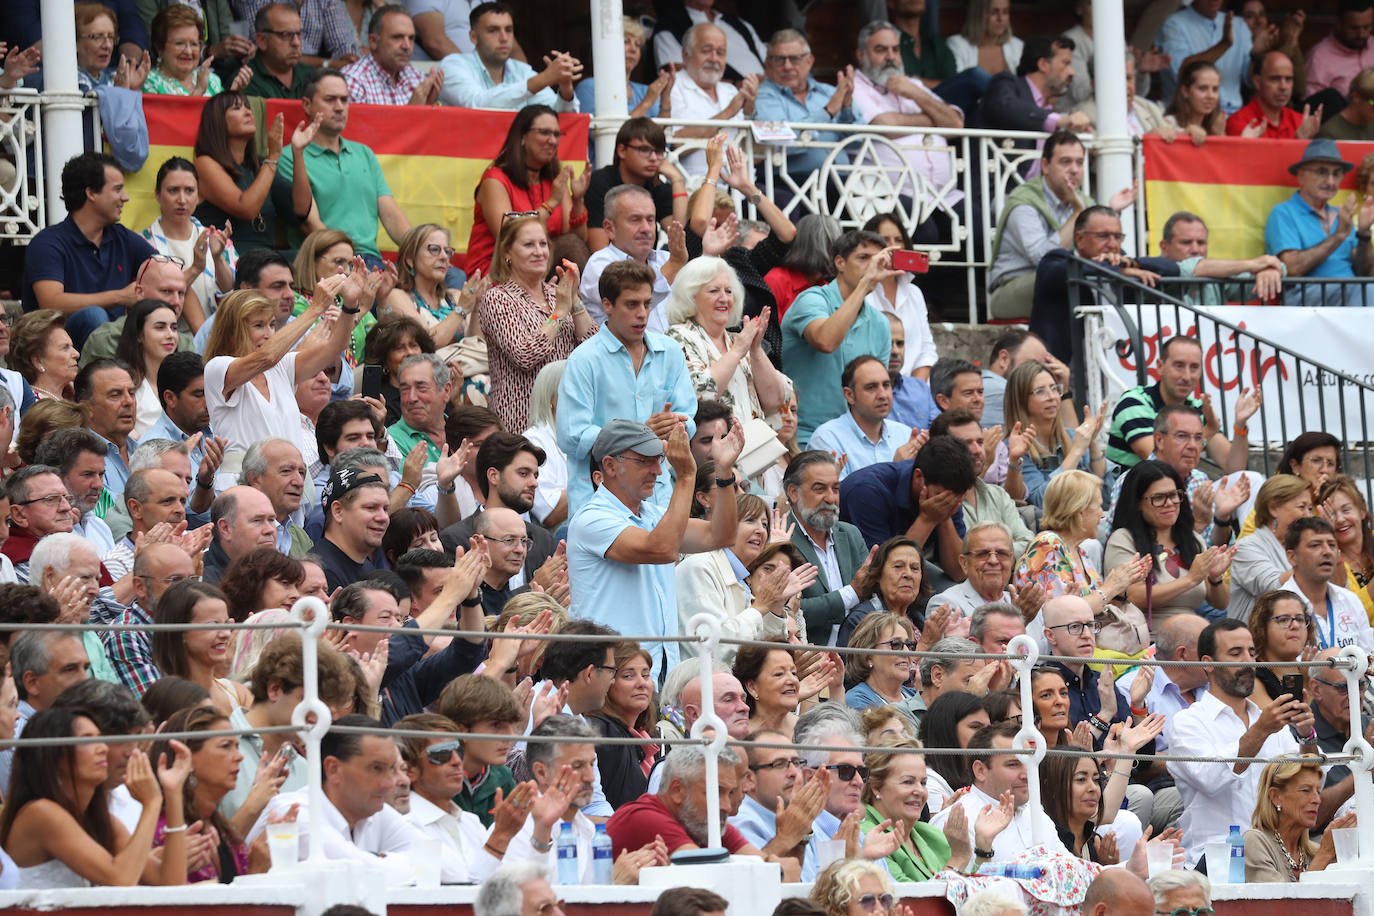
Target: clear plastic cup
<point>1159,857</point>
<point>1218,857</point>
<point>1347,843</point>
<point>283,844</point>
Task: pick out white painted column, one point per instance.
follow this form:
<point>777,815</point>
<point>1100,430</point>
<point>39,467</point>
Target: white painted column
<point>608,65</point>
<point>62,102</point>
<point>1113,144</point>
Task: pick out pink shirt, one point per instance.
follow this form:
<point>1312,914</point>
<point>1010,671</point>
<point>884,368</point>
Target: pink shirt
<point>928,155</point>
<point>1331,65</point>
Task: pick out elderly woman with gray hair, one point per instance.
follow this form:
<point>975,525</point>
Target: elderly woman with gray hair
<point>734,369</point>
<point>1180,889</point>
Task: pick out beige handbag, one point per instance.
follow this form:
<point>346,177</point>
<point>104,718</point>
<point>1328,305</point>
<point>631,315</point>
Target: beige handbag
<point>1122,628</point>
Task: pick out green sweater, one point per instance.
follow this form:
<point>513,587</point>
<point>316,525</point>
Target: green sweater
<point>932,849</point>
<point>1030,193</point>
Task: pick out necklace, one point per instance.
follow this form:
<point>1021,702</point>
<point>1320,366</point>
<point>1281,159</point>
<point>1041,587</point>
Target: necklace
<point>1296,868</point>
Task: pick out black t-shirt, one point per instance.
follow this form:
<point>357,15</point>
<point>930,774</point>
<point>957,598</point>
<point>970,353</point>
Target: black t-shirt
<point>603,179</point>
<point>339,568</point>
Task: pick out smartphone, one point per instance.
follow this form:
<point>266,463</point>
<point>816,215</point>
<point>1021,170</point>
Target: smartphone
<point>915,262</point>
<point>1292,685</point>
<point>372,381</point>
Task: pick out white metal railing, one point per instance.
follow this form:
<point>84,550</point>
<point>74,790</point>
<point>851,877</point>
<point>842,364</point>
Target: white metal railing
<point>853,184</point>
<point>22,208</point>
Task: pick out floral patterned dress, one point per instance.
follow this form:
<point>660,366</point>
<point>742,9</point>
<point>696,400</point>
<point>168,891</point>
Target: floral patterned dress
<point>1056,567</point>
<point>700,353</point>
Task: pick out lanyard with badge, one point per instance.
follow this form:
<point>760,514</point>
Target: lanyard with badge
<point>1330,623</point>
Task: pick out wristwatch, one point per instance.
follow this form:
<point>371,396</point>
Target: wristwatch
<point>725,482</point>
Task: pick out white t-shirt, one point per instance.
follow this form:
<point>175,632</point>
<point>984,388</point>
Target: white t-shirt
<point>148,411</point>
<point>245,416</point>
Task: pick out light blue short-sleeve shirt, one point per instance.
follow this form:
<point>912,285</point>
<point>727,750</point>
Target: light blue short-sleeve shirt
<point>1293,224</point>
<point>636,599</point>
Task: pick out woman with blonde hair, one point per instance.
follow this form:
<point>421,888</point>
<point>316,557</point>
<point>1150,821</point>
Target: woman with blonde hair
<point>986,41</point>
<point>252,370</point>
<point>422,264</point>
<point>1260,563</point>
<point>880,680</point>
<point>41,351</point>
<point>856,887</point>
<point>324,253</point>
<point>1034,399</point>
<point>1055,559</point>
<point>1342,504</point>
<point>1279,847</point>
<point>707,298</point>
<point>528,321</point>
<point>645,101</point>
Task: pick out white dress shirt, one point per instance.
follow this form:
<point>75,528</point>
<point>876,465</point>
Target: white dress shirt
<point>383,840</point>
<point>1214,795</point>
<point>1342,622</point>
<point>460,835</point>
<point>1016,838</point>
<point>521,848</point>
<point>910,309</point>
<point>1165,698</point>
<point>591,281</point>
<point>691,102</point>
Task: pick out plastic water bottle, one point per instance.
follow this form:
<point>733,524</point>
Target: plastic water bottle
<point>1011,870</point>
<point>567,856</point>
<point>1237,870</point>
<point>601,857</point>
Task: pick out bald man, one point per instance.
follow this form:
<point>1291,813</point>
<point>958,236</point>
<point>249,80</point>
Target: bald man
<point>730,705</point>
<point>161,280</point>
<point>1118,892</point>
<point>1070,630</point>
<point>157,568</point>
<point>244,520</point>
<point>507,543</point>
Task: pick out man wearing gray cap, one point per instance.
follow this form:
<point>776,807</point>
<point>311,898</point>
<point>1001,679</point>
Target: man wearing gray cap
<point>622,547</point>
<point>1315,239</point>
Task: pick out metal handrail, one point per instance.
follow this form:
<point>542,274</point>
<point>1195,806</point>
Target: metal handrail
<point>1254,357</point>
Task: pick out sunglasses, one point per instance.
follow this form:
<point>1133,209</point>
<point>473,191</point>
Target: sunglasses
<point>868,901</point>
<point>847,771</point>
<point>442,753</point>
<point>896,645</point>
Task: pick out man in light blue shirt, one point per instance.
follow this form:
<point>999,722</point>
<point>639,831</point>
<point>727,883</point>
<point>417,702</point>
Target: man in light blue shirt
<point>828,326</point>
<point>864,434</point>
<point>791,93</point>
<point>488,78</point>
<point>777,779</point>
<point>622,547</point>
<point>622,371</point>
<point>1173,689</point>
<point>1201,30</point>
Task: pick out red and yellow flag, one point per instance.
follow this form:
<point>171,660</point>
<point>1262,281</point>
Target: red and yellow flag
<point>432,157</point>
<point>1232,183</point>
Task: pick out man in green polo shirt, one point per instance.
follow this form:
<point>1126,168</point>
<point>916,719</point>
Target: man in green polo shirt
<point>1131,439</point>
<point>277,69</point>
<point>351,194</point>
<point>425,386</point>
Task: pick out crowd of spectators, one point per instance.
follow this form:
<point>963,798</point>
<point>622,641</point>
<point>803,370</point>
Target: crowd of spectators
<point>202,427</point>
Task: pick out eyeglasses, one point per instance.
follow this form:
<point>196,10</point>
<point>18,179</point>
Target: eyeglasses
<point>51,502</point>
<point>645,149</point>
<point>1186,911</point>
<point>160,259</point>
<point>185,45</point>
<point>1103,235</point>
<point>847,771</point>
<point>982,555</point>
<point>517,214</point>
<point>1076,629</point>
<point>868,901</point>
<point>283,34</point>
<point>441,753</point>
<point>1342,687</point>
<point>445,250</point>
<point>1044,390</point>
<point>1168,498</point>
<point>640,460</point>
<point>172,579</point>
<point>782,763</point>
<point>512,541</point>
<point>546,133</point>
<point>105,38</point>
<point>610,668</point>
<point>897,645</point>
<point>1324,173</point>
<point>1291,620</point>
<point>545,908</point>
<point>793,60</point>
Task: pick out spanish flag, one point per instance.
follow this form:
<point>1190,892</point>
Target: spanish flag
<point>432,157</point>
<point>1232,183</point>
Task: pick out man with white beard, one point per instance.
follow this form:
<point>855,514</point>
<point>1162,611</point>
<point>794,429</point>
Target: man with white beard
<point>700,93</point>
<point>884,96</point>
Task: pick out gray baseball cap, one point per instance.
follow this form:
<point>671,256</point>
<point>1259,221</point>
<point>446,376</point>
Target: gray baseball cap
<point>625,435</point>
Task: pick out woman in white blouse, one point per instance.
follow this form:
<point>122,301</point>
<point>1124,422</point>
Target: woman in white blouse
<point>149,336</point>
<point>251,369</point>
<point>900,297</point>
<point>986,40</point>
<point>551,498</point>
<point>707,298</point>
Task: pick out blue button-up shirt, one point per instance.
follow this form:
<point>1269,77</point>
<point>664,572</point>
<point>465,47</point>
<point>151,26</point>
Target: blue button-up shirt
<point>468,84</point>
<point>821,398</point>
<point>1188,32</point>
<point>164,428</point>
<point>756,822</point>
<point>116,471</point>
<point>637,599</point>
<point>912,403</point>
<point>1164,698</point>
<point>1294,224</point>
<point>822,828</point>
<point>778,103</point>
<point>600,384</point>
<point>843,436</point>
